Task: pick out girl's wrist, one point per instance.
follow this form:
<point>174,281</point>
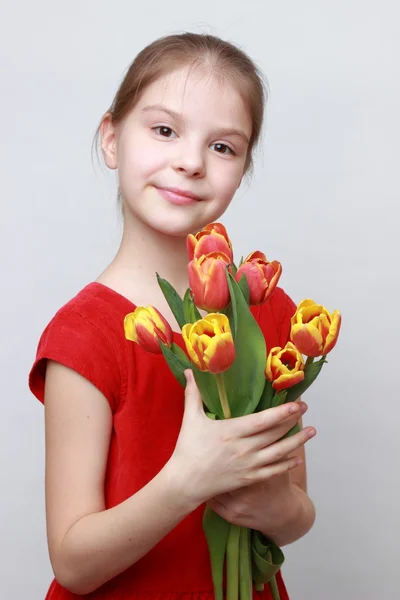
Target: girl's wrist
<point>180,488</point>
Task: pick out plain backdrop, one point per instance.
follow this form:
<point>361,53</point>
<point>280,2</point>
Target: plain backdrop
<point>324,201</point>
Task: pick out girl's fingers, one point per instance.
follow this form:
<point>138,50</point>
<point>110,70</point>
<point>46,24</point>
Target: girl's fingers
<point>260,422</point>
<point>277,468</point>
<point>261,440</point>
<point>279,450</point>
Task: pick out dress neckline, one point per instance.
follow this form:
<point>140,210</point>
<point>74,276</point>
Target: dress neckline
<point>106,290</point>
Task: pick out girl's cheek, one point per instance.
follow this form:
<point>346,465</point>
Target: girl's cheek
<point>144,161</point>
<point>231,182</point>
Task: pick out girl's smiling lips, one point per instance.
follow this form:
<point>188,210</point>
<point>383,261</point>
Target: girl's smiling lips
<point>178,196</point>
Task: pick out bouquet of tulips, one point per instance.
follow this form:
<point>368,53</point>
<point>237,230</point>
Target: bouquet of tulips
<point>235,373</point>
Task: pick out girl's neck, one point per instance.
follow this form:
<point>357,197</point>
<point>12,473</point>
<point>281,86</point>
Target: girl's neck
<point>143,252</point>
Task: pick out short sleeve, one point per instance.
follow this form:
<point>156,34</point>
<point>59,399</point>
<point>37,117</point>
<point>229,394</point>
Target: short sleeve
<point>77,343</point>
<point>289,308</point>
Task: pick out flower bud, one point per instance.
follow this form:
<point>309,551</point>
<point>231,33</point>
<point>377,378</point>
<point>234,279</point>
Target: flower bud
<point>285,367</point>
<point>262,276</point>
<point>314,330</point>
<point>146,326</point>
<point>209,343</point>
<point>208,282</point>
<point>213,238</point>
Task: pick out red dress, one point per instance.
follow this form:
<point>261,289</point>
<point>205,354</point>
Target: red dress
<point>87,335</point>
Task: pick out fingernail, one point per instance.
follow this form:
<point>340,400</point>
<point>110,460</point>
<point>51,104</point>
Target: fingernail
<point>303,407</point>
<point>293,409</point>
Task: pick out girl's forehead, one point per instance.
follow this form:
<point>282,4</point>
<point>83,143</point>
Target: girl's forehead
<point>191,92</point>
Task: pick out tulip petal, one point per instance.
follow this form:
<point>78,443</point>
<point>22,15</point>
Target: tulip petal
<point>190,245</point>
<point>307,339</point>
<point>213,243</point>
<point>129,327</point>
<point>333,334</point>
<point>286,381</point>
<point>146,337</point>
<point>162,327</point>
<point>209,343</point>
<point>208,283</point>
<point>213,237</point>
<point>220,353</point>
<point>324,324</point>
<point>285,367</point>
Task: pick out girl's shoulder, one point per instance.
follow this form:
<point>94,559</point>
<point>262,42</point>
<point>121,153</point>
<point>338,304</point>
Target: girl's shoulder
<point>87,335</point>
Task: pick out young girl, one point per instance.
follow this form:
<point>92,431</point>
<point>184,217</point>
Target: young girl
<point>131,459</point>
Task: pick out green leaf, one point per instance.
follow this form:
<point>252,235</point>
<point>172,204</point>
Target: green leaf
<point>190,310</point>
<point>310,374</point>
<point>267,558</point>
<point>232,307</point>
<point>244,286</point>
<point>211,416</point>
<point>177,361</point>
<point>216,530</point>
<point>175,302</point>
<point>245,378</point>
<point>266,398</point>
<point>207,384</point>
<point>279,398</point>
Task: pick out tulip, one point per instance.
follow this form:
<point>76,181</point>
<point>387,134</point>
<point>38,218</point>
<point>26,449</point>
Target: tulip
<point>208,282</point>
<point>209,343</point>
<point>314,330</point>
<point>285,367</point>
<point>213,238</point>
<point>262,276</point>
<point>146,326</point>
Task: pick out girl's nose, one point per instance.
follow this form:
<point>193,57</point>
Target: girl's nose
<point>191,161</point>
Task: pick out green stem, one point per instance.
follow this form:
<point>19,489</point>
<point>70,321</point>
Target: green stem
<point>309,361</point>
<point>245,570</point>
<point>222,395</point>
<point>232,563</point>
<point>273,586</point>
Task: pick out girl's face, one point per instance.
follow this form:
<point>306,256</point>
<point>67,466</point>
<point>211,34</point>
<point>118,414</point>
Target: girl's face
<point>188,133</point>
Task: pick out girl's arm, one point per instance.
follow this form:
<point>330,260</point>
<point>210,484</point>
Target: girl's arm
<point>89,545</point>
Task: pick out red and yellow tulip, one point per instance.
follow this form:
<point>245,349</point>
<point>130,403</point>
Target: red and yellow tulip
<point>208,282</point>
<point>146,326</point>
<point>285,367</point>
<point>213,238</point>
<point>262,276</point>
<point>209,343</point>
<point>314,330</point>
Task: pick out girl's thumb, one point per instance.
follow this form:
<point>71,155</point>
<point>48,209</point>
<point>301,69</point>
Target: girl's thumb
<point>192,390</point>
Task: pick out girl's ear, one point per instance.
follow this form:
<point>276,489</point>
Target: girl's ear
<point>109,141</point>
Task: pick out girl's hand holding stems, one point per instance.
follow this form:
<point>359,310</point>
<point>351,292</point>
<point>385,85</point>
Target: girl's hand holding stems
<point>241,466</point>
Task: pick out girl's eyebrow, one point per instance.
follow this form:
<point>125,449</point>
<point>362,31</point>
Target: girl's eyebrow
<point>177,116</point>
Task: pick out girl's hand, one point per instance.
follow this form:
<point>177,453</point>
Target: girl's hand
<point>263,506</point>
<point>215,457</point>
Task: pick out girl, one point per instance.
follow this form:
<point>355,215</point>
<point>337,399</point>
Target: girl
<point>130,458</point>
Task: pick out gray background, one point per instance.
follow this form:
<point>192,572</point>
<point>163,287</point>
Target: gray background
<point>324,201</point>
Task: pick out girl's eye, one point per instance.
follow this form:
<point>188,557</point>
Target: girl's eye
<point>164,131</point>
<point>223,149</point>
